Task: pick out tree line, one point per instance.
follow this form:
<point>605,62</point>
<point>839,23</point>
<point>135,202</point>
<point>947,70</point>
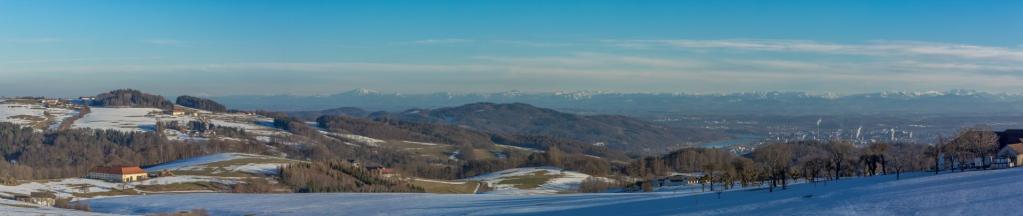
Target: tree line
<point>200,103</point>
<point>777,164</point>
<point>28,154</point>
<point>336,176</point>
<point>131,98</point>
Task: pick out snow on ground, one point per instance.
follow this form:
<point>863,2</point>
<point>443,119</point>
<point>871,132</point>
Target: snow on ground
<point>252,124</point>
<point>422,143</point>
<point>368,141</point>
<point>14,113</point>
<point>454,155</point>
<point>245,163</point>
<point>256,168</point>
<point>970,193</point>
<point>15,208</point>
<point>63,187</point>
<point>70,186</point>
<point>177,135</point>
<point>144,119</point>
<point>59,116</point>
<point>521,148</point>
<point>232,162</point>
<point>178,164</point>
<point>122,119</point>
<point>29,114</point>
<point>186,179</point>
<point>557,180</point>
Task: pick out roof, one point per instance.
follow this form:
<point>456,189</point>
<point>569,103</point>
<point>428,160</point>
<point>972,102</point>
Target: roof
<point>119,170</point>
<point>1018,147</point>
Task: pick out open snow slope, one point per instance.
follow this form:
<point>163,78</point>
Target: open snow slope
<point>14,208</point>
<point>33,114</point>
<point>223,168</point>
<point>971,193</point>
<point>123,119</point>
<point>532,180</point>
<point>144,119</point>
<point>222,163</point>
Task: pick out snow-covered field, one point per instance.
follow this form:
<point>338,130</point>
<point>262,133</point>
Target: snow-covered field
<point>970,193</point>
<point>257,125</point>
<point>144,119</point>
<point>219,168</point>
<point>557,180</point>
<point>62,187</point>
<point>191,162</point>
<point>8,113</point>
<point>229,162</point>
<point>122,119</point>
<point>69,187</point>
<point>31,114</point>
<point>367,141</point>
<point>14,208</point>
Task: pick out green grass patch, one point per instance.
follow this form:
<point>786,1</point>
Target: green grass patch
<point>440,151</point>
<point>221,168</point>
<point>531,181</point>
<point>187,186</point>
<point>112,192</point>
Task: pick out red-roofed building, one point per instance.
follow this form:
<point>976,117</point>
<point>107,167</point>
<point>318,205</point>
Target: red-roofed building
<point>118,173</point>
<point>379,169</point>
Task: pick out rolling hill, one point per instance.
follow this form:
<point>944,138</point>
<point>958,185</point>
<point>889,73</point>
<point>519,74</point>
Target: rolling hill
<point>613,131</point>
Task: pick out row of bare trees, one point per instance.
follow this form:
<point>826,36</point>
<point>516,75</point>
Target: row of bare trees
<point>777,164</point>
<point>962,150</point>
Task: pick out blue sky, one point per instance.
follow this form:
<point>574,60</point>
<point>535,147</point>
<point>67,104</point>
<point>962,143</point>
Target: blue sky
<point>324,47</point>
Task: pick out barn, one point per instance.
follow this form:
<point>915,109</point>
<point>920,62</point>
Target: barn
<point>118,173</point>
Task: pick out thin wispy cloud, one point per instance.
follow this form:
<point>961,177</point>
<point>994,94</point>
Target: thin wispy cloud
<point>650,65</point>
<point>66,60</point>
<point>875,48</point>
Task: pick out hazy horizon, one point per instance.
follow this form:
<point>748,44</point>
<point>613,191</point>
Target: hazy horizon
<point>589,91</point>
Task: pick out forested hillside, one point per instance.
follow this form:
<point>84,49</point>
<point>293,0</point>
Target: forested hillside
<point>339,177</point>
<point>200,103</point>
<point>343,111</point>
<point>29,154</point>
<point>441,133</point>
<point>131,98</point>
<point>617,132</point>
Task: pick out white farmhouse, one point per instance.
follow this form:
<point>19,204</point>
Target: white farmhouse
<point>119,174</point>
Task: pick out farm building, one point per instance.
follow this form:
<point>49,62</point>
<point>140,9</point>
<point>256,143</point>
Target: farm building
<point>119,174</point>
<point>1012,152</point>
<point>379,169</point>
<point>177,111</point>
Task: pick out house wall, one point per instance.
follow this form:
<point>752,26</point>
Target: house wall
<point>134,177</point>
<point>117,177</point>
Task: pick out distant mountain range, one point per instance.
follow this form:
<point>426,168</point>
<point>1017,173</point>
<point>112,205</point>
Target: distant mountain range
<point>752,103</point>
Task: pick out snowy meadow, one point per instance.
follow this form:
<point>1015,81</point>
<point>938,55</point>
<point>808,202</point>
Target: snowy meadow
<point>968,193</point>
